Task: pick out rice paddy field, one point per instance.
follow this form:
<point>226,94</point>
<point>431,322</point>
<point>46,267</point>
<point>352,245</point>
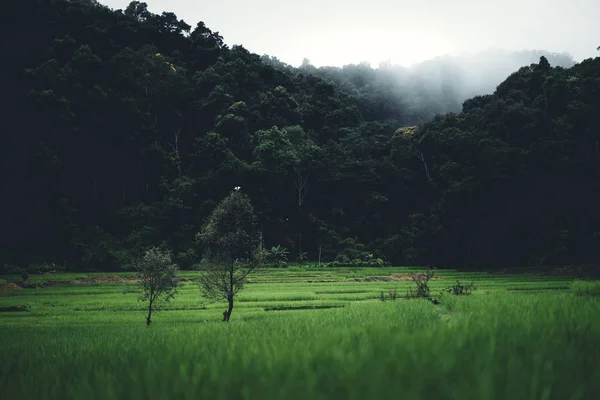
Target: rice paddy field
<point>304,333</point>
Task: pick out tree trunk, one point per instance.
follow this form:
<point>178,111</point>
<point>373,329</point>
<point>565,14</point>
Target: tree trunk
<point>320,246</point>
<point>227,314</point>
<point>148,320</point>
<point>229,310</point>
<point>262,238</point>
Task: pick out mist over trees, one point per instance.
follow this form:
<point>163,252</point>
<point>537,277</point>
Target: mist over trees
<point>124,129</point>
<point>416,94</point>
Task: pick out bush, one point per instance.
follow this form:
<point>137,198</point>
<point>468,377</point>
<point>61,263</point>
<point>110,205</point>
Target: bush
<point>187,259</point>
<point>392,295</point>
<point>342,259</point>
<point>22,273</point>
<point>368,261</point>
<point>460,289</point>
<point>421,280</point>
<point>9,269</point>
<point>33,285</point>
<point>45,268</point>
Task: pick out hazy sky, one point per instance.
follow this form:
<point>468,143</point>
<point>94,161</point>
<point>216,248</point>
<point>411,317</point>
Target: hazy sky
<point>338,32</point>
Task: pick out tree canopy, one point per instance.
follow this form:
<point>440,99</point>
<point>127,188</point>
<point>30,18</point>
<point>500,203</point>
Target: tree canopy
<point>233,248</point>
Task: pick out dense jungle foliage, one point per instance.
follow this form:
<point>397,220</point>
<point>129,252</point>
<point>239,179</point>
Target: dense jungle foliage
<point>124,129</point>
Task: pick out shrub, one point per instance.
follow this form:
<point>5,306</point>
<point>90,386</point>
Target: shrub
<point>421,280</point>
<point>342,259</point>
<point>9,269</point>
<point>33,285</point>
<point>187,259</point>
<point>392,295</point>
<point>44,268</point>
<point>368,261</point>
<point>460,289</point>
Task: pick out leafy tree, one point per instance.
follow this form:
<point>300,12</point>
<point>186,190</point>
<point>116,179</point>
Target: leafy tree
<point>156,279</point>
<point>232,248</point>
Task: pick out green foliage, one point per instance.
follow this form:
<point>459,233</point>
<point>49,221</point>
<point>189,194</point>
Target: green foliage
<point>392,295</point>
<point>585,288</point>
<point>45,268</point>
<point>461,289</point>
<point>33,285</point>
<point>421,281</point>
<point>156,279</point>
<point>232,241</point>
<point>231,232</point>
<point>412,165</point>
<point>278,256</point>
<point>302,257</point>
<point>367,260</point>
<point>33,269</point>
<point>10,269</point>
<point>187,258</point>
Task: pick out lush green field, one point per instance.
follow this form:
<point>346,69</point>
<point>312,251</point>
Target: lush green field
<point>305,334</point>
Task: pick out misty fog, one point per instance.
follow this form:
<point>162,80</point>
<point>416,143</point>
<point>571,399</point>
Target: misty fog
<point>414,94</point>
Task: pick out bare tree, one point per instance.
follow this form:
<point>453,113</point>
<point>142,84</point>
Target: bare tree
<point>232,239</point>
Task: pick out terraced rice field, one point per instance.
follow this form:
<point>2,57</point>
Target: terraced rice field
<point>304,333</point>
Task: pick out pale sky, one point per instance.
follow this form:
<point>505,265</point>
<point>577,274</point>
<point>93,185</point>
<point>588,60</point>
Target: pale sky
<point>339,32</point>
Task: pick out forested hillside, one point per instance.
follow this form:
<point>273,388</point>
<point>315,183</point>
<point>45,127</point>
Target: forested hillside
<point>123,129</point>
<point>415,94</point>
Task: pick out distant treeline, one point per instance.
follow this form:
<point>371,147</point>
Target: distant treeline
<point>123,129</point>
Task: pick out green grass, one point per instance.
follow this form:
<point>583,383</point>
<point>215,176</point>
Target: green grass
<point>285,341</point>
<point>585,288</point>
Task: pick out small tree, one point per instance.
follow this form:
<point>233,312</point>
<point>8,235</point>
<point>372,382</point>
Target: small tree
<point>232,240</point>
<point>156,278</point>
<point>421,280</point>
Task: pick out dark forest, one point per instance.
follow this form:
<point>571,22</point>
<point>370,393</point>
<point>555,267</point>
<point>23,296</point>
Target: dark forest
<point>124,129</point>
